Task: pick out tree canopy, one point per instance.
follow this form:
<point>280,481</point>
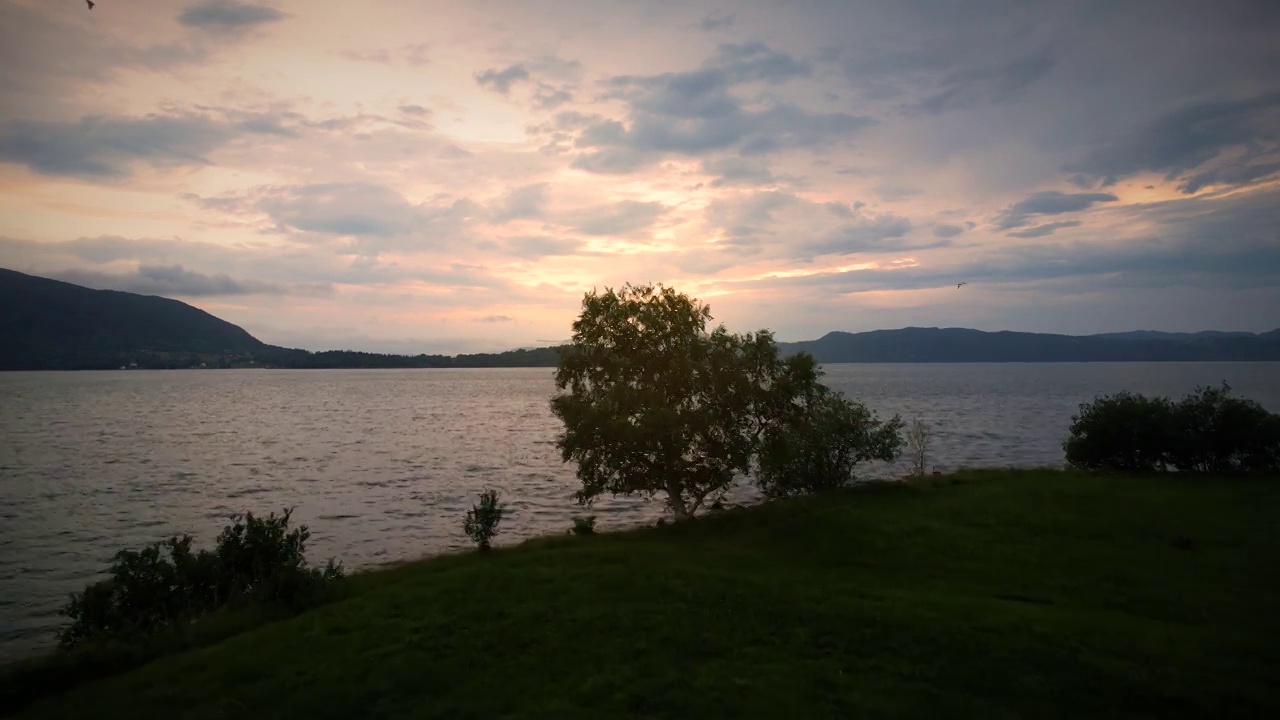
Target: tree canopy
<point>652,402</point>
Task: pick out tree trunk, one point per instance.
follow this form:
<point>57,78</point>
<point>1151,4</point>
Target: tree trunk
<point>676,500</point>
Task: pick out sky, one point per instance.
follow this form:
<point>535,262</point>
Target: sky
<point>449,177</point>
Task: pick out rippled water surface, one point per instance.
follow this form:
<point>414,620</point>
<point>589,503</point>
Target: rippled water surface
<point>383,464</point>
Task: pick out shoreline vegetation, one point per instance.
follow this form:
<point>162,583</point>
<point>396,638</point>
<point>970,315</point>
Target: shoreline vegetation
<point>1139,582</point>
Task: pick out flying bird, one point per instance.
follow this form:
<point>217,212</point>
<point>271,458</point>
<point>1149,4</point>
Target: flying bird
<point>91,3</point>
<point>959,284</point>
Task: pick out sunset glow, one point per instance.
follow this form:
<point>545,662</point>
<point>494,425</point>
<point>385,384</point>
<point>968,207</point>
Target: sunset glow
<point>452,176</point>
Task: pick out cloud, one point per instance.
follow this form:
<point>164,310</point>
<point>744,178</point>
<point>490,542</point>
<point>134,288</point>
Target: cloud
<point>694,113</point>
<point>378,217</point>
<point>1230,175</point>
<point>105,148</point>
<point>501,80</point>
<point>548,96</point>
<point>1191,136</point>
<point>177,281</point>
<point>944,230</point>
<point>537,247</point>
<point>715,22</point>
<point>495,319</point>
<point>985,85</point>
<point>228,16</point>
<point>1046,229</point>
<point>738,171</point>
<point>1227,243</point>
<point>413,55</point>
<point>627,217</point>
<point>522,202</point>
<point>867,234</point>
<point>1049,202</point>
<point>744,220</point>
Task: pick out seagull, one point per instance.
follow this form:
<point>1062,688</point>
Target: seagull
<point>959,284</point>
<point>91,3</point>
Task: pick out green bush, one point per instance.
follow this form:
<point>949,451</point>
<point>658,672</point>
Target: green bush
<point>584,525</point>
<point>1208,431</point>
<point>166,585</point>
<point>482,520</point>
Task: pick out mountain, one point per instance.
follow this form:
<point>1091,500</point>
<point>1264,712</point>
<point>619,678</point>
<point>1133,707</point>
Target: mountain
<point>1157,335</point>
<point>51,324</point>
<point>952,345</point>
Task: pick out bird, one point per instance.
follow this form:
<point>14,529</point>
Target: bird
<point>959,284</point>
<point>91,3</point>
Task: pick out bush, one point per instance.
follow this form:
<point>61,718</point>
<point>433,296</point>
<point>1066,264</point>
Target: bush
<point>482,520</point>
<point>817,447</point>
<point>584,525</point>
<point>1208,431</point>
<point>166,585</point>
<point>1124,432</point>
<point>1218,433</point>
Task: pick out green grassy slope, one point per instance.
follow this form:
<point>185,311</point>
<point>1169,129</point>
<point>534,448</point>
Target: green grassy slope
<point>1002,594</point>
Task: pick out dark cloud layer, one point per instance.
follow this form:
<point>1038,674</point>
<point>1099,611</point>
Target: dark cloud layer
<point>228,15</point>
<point>1229,243</point>
<point>695,113</point>
<point>1192,137</point>
<point>1045,229</point>
<point>107,147</point>
<point>177,281</point>
<point>985,85</point>
<point>1049,202</point>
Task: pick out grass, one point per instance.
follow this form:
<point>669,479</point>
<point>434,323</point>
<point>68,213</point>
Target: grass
<point>991,594</point>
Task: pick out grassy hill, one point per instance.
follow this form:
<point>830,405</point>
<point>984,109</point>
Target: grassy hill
<point>994,594</point>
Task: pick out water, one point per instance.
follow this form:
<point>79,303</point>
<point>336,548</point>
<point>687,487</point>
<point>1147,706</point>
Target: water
<point>382,465</point>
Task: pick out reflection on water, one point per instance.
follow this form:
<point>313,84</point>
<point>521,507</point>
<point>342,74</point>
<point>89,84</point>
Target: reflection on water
<point>382,465</point>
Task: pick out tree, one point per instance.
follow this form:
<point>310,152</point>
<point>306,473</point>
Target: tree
<point>482,520</point>
<point>653,403</point>
<point>918,436</point>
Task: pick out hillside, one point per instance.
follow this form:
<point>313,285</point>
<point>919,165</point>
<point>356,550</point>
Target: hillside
<point>992,595</point>
<point>962,345</point>
<point>57,325</point>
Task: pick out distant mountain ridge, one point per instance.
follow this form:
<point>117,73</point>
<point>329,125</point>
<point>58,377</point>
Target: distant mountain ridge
<point>51,325</point>
<point>954,345</point>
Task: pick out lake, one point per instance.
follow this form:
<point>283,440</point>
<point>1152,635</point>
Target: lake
<point>383,464</point>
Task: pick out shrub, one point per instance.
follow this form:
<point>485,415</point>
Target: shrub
<point>1123,432</point>
<point>1218,433</point>
<point>166,585</point>
<point>817,447</point>
<point>1208,431</point>
<point>482,520</point>
<point>584,525</point>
